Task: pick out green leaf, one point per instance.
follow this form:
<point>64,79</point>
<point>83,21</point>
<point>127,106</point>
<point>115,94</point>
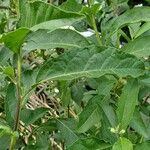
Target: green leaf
<point>62,38</point>
<point>67,131</point>
<point>30,116</point>
<point>48,126</point>
<point>4,142</point>
<point>5,55</point>
<point>134,28</point>
<point>5,130</point>
<point>145,27</point>
<point>143,146</point>
<point>10,104</point>
<point>108,112</point>
<point>89,144</point>
<point>9,71</point>
<point>71,5</point>
<point>109,120</point>
<point>146,80</point>
<point>90,63</point>
<point>55,24</point>
<point>14,40</point>
<point>90,115</point>
<point>93,10</point>
<point>38,12</point>
<point>65,93</point>
<point>28,80</point>
<point>138,47</point>
<point>105,85</point>
<point>138,125</point>
<point>77,92</point>
<point>127,103</point>
<point>42,143</point>
<point>123,144</point>
<point>134,15</point>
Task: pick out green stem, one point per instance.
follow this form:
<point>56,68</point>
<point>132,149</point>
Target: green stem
<point>18,87</point>
<point>93,21</point>
<point>141,139</point>
<point>12,143</point>
<point>19,100</point>
<point>96,30</point>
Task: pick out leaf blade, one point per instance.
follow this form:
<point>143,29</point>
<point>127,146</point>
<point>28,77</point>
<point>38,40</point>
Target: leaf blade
<point>127,103</point>
<point>123,144</point>
<point>14,40</point>
<point>44,39</point>
<point>107,62</point>
<point>138,47</point>
<point>32,13</point>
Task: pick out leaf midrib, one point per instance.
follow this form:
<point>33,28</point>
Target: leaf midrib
<point>87,72</point>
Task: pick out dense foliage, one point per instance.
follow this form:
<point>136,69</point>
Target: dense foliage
<point>64,89</point>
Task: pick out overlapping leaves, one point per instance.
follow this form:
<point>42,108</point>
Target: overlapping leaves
<point>88,62</point>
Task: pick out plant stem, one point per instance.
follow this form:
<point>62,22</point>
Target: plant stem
<point>96,30</point>
<point>93,21</point>
<point>18,88</point>
<point>12,143</point>
<point>141,139</point>
<point>19,100</point>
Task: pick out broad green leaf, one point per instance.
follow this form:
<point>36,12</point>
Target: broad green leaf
<point>93,10</point>
<point>65,93</point>
<point>30,116</point>
<point>48,126</point>
<point>89,144</point>
<point>105,85</point>
<point>108,112</point>
<point>55,24</point>
<point>123,144</point>
<point>109,120</point>
<point>143,146</point>
<point>138,125</point>
<point>77,92</point>
<point>67,131</point>
<point>42,143</point>
<point>5,130</point>
<point>138,47</point>
<point>5,55</point>
<point>127,103</point>
<point>146,80</point>
<point>28,79</point>
<point>90,11</point>
<point>105,133</point>
<point>90,115</point>
<point>71,5</point>
<point>134,28</point>
<point>9,71</point>
<point>10,104</point>
<point>89,62</point>
<point>145,27</point>
<point>62,38</point>
<point>134,15</point>
<point>4,142</point>
<point>14,40</point>
<point>37,12</point>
